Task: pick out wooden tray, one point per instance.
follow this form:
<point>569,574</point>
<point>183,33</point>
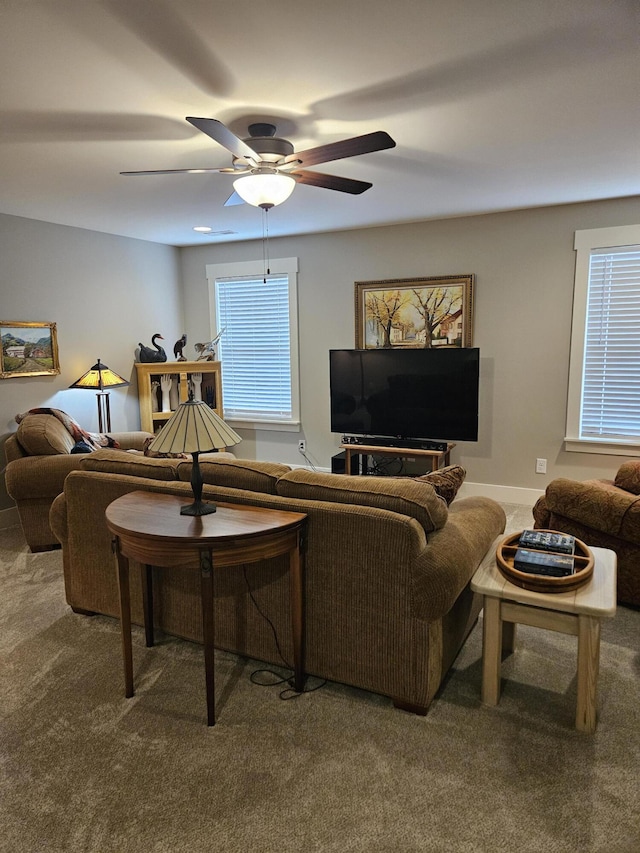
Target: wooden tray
<point>584,563</point>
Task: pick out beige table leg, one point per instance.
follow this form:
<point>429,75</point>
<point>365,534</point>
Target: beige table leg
<point>588,666</point>
<point>491,651</point>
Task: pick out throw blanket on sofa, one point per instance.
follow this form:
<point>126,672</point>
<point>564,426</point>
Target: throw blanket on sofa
<point>85,441</point>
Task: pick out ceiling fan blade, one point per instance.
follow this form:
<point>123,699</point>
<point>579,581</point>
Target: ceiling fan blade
<point>234,198</point>
<point>377,141</point>
<point>221,134</point>
<point>173,172</point>
<point>331,182</point>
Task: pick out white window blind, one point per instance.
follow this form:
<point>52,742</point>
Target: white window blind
<point>255,348</point>
<point>259,345</point>
<point>611,379</point>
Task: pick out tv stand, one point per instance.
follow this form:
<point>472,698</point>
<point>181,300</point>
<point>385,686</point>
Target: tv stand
<point>438,457</point>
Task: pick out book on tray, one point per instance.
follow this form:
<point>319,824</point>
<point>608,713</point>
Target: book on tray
<point>543,563</point>
<point>544,540</point>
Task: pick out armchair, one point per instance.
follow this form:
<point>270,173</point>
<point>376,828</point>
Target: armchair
<point>39,458</point>
<point>603,513</point>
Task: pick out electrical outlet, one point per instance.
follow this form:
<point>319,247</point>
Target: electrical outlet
<point>541,466</point>
<point>302,446</point>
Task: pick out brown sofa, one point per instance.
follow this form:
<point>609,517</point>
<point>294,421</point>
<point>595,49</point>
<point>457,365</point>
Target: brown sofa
<point>603,513</point>
<point>387,568</point>
<point>39,458</point>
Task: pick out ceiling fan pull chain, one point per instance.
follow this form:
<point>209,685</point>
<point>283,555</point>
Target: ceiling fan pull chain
<point>265,243</point>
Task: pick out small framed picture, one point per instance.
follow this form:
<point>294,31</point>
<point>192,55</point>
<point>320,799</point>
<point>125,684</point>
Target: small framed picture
<point>415,312</point>
<point>28,349</point>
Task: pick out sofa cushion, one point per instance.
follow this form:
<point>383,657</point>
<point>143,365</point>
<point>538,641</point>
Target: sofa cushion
<point>237,473</point>
<point>403,495</point>
<point>628,477</point>
<point>446,481</point>
<point>44,435</point>
<point>135,464</point>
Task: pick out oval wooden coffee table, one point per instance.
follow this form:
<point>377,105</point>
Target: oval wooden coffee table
<point>149,528</point>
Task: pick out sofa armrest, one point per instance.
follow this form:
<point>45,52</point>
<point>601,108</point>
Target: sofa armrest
<point>39,476</point>
<point>453,554</point>
<point>58,518</point>
<point>131,440</point>
<point>13,449</point>
<point>596,504</point>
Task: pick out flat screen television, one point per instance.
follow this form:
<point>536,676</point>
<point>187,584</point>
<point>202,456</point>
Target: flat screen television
<point>429,394</point>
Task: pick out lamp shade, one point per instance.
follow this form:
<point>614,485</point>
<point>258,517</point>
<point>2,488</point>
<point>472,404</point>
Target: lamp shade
<point>264,189</point>
<point>98,377</point>
<point>194,428</point>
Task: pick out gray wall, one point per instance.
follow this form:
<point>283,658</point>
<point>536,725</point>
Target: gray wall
<point>105,293</point>
<point>524,267</point>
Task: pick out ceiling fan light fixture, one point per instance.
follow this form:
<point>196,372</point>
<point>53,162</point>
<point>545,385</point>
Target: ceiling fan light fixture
<point>264,189</point>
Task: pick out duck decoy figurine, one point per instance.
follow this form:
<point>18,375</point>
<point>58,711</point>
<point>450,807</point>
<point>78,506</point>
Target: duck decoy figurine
<point>148,354</point>
<point>178,347</point>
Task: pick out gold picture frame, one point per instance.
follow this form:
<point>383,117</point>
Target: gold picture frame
<point>28,349</point>
<point>415,312</point>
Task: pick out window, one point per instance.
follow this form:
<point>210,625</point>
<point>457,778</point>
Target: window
<point>603,414</point>
<point>259,346</point>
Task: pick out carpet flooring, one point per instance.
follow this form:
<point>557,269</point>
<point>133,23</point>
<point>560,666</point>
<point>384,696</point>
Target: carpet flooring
<point>338,769</point>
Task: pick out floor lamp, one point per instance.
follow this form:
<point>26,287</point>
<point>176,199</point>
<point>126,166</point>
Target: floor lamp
<point>98,378</point>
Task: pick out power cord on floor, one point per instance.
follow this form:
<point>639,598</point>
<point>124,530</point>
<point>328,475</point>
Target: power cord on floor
<point>289,692</point>
<point>306,458</point>
<point>385,466</point>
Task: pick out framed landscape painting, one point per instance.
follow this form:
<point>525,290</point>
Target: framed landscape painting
<point>415,312</point>
<point>28,349</point>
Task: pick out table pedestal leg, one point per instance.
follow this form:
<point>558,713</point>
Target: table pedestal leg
<point>491,651</point>
<point>206,586</point>
<point>295,581</point>
<point>125,619</point>
<point>588,665</point>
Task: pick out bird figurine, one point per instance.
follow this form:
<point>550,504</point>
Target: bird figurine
<point>148,354</point>
<point>207,352</point>
<point>178,347</point>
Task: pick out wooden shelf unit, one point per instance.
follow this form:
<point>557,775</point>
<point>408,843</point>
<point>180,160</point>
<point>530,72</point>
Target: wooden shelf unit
<point>151,421</point>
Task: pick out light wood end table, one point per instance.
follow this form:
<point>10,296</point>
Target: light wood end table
<point>436,457</point>
<point>148,528</point>
<point>578,612</point>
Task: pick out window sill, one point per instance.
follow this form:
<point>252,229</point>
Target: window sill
<point>276,426</point>
<point>610,448</point>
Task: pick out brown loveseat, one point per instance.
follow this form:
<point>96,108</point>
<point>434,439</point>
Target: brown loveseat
<point>39,458</point>
<point>387,568</point>
<point>603,513</point>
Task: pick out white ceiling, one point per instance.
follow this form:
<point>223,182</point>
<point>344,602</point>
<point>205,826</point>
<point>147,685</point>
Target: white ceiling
<point>494,105</point>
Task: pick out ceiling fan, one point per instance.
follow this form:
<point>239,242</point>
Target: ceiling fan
<point>268,168</point>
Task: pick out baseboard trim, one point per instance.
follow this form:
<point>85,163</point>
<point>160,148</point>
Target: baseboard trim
<point>502,494</point>
<point>9,517</point>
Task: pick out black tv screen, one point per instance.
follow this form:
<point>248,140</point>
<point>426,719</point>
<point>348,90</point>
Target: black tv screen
<point>429,394</point>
